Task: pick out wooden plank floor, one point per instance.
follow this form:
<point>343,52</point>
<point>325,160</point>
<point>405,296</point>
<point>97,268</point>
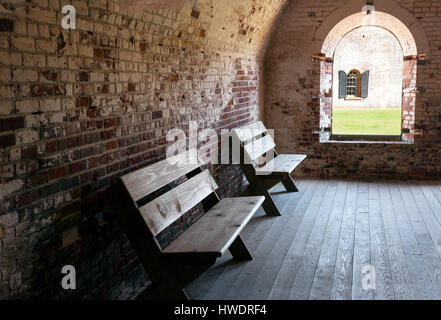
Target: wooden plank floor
<point>332,235</point>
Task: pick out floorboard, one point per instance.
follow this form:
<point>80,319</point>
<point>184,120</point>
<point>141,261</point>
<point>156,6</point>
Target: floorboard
<point>403,287</point>
<point>384,289</point>
<point>342,285</point>
<point>361,288</point>
<point>305,276</point>
<point>323,279</point>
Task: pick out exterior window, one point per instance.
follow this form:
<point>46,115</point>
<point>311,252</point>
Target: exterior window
<point>354,84</point>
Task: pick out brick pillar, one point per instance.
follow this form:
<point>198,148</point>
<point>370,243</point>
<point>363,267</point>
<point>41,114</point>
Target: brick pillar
<point>326,73</point>
<point>409,99</point>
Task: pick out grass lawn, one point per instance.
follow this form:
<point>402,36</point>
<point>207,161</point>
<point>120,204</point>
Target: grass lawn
<point>373,122</point>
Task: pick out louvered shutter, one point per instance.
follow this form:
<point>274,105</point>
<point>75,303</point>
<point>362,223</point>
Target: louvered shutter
<point>343,84</point>
<point>365,85</point>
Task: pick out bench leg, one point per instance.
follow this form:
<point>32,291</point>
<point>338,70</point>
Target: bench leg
<point>239,250</point>
<point>248,192</point>
<point>269,206</point>
<point>289,184</point>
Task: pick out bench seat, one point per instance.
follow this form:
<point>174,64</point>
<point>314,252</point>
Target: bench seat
<point>215,232</point>
<point>282,164</point>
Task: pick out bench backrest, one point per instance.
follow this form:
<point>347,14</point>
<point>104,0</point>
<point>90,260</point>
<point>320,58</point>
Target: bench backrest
<point>254,140</point>
<point>161,212</point>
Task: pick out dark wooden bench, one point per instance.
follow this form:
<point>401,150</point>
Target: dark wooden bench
<point>144,210</point>
<point>263,172</point>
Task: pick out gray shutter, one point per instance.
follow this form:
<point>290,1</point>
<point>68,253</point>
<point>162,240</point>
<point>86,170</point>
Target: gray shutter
<point>365,85</point>
<point>343,85</point>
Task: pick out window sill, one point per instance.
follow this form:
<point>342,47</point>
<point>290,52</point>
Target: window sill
<point>353,99</point>
<point>357,139</point>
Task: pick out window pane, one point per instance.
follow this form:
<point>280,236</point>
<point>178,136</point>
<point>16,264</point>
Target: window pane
<point>353,84</point>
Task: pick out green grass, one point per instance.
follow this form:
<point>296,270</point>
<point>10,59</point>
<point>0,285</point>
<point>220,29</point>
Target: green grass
<point>374,122</point>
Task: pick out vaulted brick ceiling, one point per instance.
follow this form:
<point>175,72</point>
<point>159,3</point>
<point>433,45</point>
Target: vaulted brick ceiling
<point>240,25</point>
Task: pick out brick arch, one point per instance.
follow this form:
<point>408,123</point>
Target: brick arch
<point>410,49</point>
<point>379,19</point>
<point>385,8</point>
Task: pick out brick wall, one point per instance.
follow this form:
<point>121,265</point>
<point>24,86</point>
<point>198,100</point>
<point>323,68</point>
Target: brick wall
<point>80,107</point>
<point>292,93</point>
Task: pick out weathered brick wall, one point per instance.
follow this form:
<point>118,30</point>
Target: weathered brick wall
<point>80,107</point>
<point>292,92</point>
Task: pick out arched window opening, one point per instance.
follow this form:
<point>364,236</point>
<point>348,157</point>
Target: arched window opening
<point>354,111</point>
<point>368,80</point>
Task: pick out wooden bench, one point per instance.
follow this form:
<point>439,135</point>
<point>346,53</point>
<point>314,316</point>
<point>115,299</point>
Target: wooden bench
<point>261,172</point>
<point>144,210</point>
